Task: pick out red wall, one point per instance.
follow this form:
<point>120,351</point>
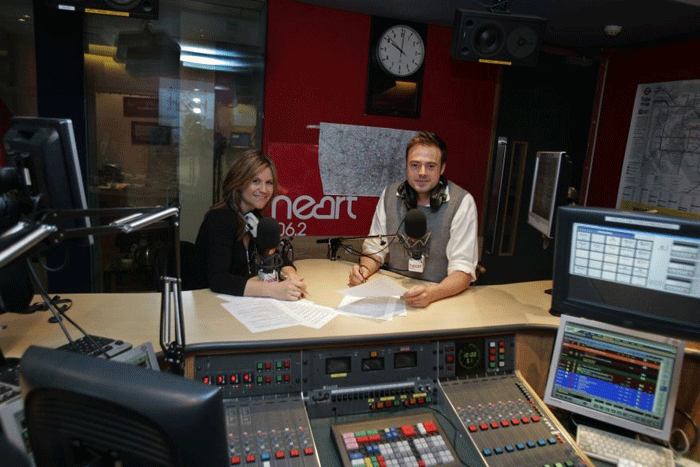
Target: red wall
<point>317,70</point>
<point>627,69</point>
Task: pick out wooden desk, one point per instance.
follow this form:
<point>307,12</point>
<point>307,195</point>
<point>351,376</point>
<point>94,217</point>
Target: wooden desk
<point>136,316</point>
<point>521,309</point>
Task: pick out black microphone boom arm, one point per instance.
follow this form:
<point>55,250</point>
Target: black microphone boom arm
<point>334,243</point>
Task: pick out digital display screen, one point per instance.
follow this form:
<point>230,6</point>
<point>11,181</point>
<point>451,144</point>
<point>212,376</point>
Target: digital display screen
<point>407,359</point>
<point>615,375</point>
<point>635,270</point>
<point>470,357</point>
<point>373,364</point>
<point>337,365</point>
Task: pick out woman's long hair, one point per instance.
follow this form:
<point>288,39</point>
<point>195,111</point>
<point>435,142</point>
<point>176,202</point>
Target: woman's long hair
<point>243,170</point>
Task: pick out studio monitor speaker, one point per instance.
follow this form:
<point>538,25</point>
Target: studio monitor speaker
<point>147,9</point>
<point>506,39</point>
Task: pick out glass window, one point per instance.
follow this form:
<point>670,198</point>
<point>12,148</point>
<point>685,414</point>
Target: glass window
<point>17,64</point>
<point>168,101</point>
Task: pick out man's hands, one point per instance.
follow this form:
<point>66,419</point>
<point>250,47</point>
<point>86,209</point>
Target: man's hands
<point>418,296</point>
<point>358,274</point>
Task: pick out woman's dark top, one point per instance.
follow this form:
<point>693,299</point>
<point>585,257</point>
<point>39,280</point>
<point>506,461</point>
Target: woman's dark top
<point>227,263</point>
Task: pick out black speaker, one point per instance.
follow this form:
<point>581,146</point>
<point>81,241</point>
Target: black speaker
<point>146,9</point>
<point>500,38</point>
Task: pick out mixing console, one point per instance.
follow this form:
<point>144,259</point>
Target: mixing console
<point>508,424</point>
<point>269,432</point>
<point>406,441</point>
<point>376,404</point>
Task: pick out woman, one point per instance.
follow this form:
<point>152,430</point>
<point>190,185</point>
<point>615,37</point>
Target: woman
<point>225,242</point>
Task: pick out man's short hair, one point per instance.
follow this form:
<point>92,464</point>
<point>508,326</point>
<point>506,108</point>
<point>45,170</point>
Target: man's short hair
<point>428,138</point>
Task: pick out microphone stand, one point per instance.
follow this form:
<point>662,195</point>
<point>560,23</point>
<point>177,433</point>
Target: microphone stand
<point>334,243</point>
<point>135,219</point>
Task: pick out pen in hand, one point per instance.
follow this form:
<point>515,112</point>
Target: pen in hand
<point>303,293</point>
<point>364,278</point>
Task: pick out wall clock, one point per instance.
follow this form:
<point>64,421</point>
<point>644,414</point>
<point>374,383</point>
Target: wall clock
<point>395,71</point>
<point>400,50</point>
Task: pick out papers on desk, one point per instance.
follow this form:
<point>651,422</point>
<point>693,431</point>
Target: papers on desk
<point>372,307</point>
<point>378,286</point>
<point>377,298</point>
<point>267,314</point>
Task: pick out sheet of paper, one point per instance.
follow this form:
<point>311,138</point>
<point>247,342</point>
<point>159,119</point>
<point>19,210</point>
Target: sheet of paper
<point>372,307</point>
<point>378,286</point>
<point>310,314</point>
<point>260,314</point>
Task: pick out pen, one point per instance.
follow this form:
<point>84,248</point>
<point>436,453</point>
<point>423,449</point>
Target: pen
<point>364,279</point>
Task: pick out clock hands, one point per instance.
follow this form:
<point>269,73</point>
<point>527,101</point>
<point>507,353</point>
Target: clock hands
<point>395,45</point>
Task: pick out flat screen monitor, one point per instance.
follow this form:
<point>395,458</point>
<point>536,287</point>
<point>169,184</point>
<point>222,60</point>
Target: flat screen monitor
<point>81,410</point>
<point>45,152</point>
<point>632,269</point>
<point>549,189</point>
<point>624,378</point>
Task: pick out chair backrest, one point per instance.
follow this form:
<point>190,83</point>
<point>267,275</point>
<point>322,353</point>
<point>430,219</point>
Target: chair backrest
<point>10,455</point>
<point>191,271</point>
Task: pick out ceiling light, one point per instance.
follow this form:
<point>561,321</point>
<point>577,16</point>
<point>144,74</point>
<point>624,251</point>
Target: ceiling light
<point>612,30</point>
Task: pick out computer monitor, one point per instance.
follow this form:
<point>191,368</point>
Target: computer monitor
<point>624,378</point>
<point>549,189</point>
<point>81,410</point>
<point>633,269</point>
<point>45,153</point>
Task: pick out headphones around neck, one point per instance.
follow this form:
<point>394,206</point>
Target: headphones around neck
<point>250,219</point>
<point>410,198</point>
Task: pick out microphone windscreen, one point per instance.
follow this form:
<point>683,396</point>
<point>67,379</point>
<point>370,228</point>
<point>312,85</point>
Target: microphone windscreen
<point>268,234</point>
<point>416,224</point>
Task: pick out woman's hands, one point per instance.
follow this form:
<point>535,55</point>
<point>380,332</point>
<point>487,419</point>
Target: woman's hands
<point>292,287</point>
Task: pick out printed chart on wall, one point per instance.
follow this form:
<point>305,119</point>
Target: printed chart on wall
<point>661,169</point>
<point>361,160</point>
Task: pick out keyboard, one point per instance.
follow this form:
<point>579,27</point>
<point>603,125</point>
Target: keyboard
<point>9,381</point>
<point>9,374</point>
<point>621,450</point>
<point>109,346</point>
<point>401,441</point>
<point>8,391</point>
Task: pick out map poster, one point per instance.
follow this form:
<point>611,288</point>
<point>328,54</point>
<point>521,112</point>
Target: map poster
<point>661,169</point>
<point>361,160</point>
<point>332,188</point>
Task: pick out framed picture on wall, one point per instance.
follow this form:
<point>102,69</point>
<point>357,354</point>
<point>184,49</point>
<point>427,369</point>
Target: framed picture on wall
<point>240,139</point>
<point>142,107</point>
<point>150,133</point>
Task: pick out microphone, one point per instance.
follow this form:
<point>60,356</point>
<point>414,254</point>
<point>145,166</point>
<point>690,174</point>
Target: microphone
<point>268,261</point>
<point>416,238</point>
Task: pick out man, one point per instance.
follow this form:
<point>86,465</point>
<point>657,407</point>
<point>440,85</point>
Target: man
<point>451,220</point>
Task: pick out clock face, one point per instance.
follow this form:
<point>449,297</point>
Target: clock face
<point>400,50</point>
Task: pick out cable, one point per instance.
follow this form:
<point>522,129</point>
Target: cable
<point>457,430</point>
<point>351,250</point>
<point>493,6</point>
<point>686,443</point>
<point>696,438</point>
<point>58,316</point>
<point>47,300</point>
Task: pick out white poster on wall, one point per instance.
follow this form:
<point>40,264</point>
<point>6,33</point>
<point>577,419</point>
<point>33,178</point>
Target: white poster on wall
<point>661,169</point>
<point>347,154</point>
